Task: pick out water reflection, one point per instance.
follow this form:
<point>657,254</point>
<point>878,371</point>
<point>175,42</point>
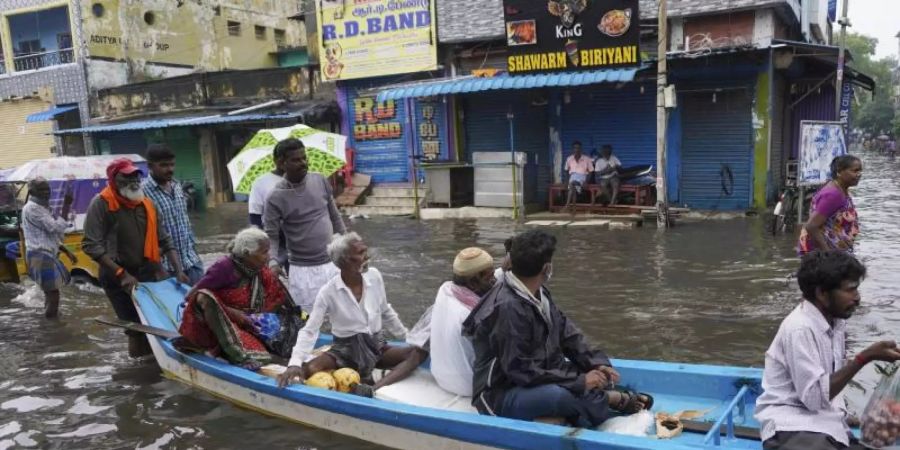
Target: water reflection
<point>711,292</point>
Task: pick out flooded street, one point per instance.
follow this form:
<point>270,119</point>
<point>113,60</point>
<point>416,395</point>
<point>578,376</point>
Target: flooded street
<point>706,292</point>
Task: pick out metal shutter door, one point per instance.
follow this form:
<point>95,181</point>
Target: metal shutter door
<point>624,118</point>
<point>717,135</point>
<point>487,130</point>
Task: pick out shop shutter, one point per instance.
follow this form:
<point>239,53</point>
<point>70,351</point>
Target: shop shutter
<point>623,117</point>
<point>487,130</point>
<point>188,160</point>
<point>718,135</point>
<point>121,143</point>
<point>23,142</point>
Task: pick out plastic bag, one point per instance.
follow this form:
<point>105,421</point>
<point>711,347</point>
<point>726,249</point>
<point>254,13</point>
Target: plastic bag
<point>881,418</point>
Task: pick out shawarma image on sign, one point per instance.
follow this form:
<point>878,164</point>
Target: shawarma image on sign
<point>521,32</point>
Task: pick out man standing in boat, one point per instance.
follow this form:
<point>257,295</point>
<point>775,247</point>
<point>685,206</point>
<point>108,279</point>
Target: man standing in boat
<point>123,233</point>
<point>530,360</point>
<point>355,303</point>
<point>806,367</point>
<point>302,209</point>
<point>439,331</point>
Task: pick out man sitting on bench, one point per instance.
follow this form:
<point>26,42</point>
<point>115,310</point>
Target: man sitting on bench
<point>606,170</point>
<point>579,167</point>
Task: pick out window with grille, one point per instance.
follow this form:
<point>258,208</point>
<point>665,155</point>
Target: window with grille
<point>260,32</point>
<point>234,28</point>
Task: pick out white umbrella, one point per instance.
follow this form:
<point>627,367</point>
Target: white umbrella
<point>68,168</point>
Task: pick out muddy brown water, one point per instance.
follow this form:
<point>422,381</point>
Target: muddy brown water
<point>705,292</point>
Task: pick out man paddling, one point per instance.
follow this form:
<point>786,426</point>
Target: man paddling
<point>805,365</point>
<point>123,234</point>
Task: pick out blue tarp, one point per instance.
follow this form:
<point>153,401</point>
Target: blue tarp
<point>469,84</point>
<point>50,113</point>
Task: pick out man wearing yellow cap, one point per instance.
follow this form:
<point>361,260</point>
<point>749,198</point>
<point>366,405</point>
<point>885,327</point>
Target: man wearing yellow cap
<point>440,328</point>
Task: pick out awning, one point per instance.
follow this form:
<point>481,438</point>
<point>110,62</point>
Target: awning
<point>467,84</point>
<point>50,114</point>
<point>315,111</point>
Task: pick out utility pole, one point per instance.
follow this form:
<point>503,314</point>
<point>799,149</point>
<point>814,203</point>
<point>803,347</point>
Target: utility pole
<point>662,204</point>
<point>839,79</point>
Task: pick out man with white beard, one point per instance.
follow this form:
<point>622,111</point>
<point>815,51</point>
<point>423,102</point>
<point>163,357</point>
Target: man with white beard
<point>123,233</point>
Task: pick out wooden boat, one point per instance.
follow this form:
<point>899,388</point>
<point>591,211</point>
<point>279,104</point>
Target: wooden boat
<point>416,414</point>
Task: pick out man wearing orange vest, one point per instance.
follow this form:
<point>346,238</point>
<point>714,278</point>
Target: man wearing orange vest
<point>123,234</point>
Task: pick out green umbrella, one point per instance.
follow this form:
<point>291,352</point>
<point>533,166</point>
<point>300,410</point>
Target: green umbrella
<point>324,151</point>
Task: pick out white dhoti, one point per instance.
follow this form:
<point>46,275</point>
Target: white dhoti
<point>305,282</point>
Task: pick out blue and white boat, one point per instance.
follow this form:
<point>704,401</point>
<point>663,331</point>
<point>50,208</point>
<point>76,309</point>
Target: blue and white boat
<point>416,414</point>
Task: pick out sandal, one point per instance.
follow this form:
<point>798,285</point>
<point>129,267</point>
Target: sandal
<point>629,402</point>
<point>363,390</point>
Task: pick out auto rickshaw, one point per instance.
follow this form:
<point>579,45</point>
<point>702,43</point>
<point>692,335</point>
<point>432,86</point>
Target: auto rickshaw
<point>84,177</point>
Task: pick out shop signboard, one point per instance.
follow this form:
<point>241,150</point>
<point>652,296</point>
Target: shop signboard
<point>571,35</point>
<point>375,38</point>
<point>820,143</point>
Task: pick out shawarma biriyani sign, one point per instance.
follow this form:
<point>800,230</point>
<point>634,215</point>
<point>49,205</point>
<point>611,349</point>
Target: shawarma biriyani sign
<point>568,35</point>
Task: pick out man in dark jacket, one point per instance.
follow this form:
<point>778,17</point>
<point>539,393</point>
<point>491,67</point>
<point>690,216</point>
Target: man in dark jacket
<point>522,342</point>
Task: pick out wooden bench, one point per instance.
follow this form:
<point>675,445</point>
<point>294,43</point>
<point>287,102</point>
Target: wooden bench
<point>642,195</point>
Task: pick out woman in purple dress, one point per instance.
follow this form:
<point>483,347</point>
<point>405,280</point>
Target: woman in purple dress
<point>833,223</point>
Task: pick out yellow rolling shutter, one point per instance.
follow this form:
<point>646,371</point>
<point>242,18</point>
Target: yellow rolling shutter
<point>21,142</point>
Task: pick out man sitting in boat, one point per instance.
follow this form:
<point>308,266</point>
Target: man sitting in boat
<point>530,360</point>
<point>805,365</point>
<point>356,305</point>
<point>239,309</point>
<point>439,331</point>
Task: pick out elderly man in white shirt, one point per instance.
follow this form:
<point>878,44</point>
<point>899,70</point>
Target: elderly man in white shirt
<point>806,367</point>
<point>439,331</point>
<point>356,304</point>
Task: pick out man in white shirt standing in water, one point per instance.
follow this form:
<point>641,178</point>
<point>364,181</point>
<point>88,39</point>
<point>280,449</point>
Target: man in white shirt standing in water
<point>260,191</point>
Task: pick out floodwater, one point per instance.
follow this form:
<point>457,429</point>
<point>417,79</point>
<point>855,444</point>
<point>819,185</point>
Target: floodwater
<point>708,292</point>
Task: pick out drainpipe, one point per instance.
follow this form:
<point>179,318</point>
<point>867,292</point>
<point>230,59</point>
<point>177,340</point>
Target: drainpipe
<point>512,154</point>
<point>839,81</point>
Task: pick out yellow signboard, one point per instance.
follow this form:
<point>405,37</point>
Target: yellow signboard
<point>371,38</point>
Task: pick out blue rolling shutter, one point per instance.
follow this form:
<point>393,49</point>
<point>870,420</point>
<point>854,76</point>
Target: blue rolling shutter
<point>717,135</point>
<point>622,117</point>
<point>487,130</point>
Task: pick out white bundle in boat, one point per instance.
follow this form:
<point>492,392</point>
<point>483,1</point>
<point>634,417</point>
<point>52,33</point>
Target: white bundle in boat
<point>639,424</point>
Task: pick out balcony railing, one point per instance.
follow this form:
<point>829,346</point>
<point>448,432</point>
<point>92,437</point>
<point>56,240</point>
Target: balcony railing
<point>34,61</point>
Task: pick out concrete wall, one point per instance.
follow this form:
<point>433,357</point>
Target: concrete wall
<point>142,40</point>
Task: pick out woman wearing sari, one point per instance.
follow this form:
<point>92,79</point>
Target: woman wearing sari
<point>239,309</point>
<point>833,223</point>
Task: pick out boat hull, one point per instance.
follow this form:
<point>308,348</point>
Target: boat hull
<point>394,424</point>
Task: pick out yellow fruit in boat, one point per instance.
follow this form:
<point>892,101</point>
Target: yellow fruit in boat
<point>322,380</point>
<point>345,378</point>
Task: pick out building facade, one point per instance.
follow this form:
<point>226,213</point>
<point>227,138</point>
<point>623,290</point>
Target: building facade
<point>746,73</point>
<point>61,53</point>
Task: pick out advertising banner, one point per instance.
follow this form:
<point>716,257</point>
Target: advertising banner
<point>846,101</point>
<point>373,38</point>
<point>570,35</point>
<point>820,143</point>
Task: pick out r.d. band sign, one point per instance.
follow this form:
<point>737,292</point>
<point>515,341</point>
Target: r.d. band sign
<point>569,35</point>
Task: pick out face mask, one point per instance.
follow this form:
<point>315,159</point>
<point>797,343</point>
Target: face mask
<point>364,267</point>
<point>549,274</point>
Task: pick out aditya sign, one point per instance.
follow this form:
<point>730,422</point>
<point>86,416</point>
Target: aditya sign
<point>566,35</point>
<point>371,38</point>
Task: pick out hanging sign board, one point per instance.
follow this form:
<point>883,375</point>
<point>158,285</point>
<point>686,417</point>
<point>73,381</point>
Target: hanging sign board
<point>570,35</point>
<point>364,39</point>
<point>820,143</point>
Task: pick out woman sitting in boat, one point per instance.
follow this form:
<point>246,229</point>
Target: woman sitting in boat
<point>239,309</point>
<point>356,305</point>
